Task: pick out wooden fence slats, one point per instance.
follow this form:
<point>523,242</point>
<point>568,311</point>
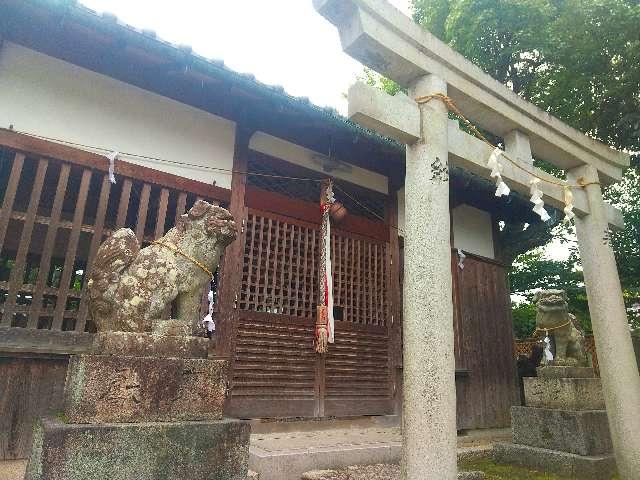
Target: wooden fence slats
<point>62,234</point>
<point>10,195</point>
<point>123,206</point>
<point>96,241</point>
<point>17,272</point>
<point>142,211</point>
<point>162,213</point>
<point>68,270</point>
<point>181,206</point>
<point>49,242</point>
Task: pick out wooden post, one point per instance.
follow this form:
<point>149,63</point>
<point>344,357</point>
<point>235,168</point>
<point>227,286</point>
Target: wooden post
<point>231,274</point>
<point>395,312</point>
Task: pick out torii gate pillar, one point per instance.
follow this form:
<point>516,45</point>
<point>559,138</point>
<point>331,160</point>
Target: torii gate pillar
<point>616,358</point>
<point>429,404</point>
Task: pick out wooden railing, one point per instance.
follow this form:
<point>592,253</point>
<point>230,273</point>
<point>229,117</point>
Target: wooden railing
<point>58,205</point>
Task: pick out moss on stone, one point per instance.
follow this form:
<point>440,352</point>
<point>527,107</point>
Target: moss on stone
<point>494,471</point>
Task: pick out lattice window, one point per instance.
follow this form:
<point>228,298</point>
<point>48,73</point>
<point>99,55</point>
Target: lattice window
<point>280,273</point>
<point>360,269</point>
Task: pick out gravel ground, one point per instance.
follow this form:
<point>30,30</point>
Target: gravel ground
<point>372,472</point>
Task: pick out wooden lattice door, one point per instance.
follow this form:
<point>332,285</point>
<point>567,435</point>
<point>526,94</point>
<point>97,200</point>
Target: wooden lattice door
<point>276,371</point>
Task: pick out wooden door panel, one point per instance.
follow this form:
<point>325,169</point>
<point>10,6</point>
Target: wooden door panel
<point>276,370</point>
<point>357,369</point>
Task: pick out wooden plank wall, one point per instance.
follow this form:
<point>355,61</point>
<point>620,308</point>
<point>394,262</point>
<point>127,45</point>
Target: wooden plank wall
<point>30,388</point>
<point>484,345</point>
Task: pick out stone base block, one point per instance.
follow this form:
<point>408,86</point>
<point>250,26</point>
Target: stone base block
<point>583,432</point>
<point>146,451</point>
<point>156,344</point>
<point>104,389</point>
<point>565,372</point>
<point>564,393</point>
<point>600,467</point>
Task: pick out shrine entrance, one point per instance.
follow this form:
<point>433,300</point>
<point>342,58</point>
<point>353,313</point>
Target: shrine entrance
<point>276,371</point>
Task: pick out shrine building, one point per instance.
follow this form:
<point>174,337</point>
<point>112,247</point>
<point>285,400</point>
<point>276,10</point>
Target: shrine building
<point>76,87</point>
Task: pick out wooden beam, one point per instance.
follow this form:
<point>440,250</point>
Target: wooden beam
<point>231,273</point>
<point>48,149</point>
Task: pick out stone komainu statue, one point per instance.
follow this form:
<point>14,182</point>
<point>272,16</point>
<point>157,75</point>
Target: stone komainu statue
<point>553,317</point>
<point>130,287</point>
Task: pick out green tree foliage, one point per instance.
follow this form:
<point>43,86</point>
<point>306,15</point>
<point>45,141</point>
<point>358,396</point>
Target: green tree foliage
<point>532,272</point>
<point>580,61</point>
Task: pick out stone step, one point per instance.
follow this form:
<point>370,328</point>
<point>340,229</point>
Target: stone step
<point>597,467</point>
<point>584,432</point>
<point>371,472</point>
<point>288,457</point>
<point>296,424</point>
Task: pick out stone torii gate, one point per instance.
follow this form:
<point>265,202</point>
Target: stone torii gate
<point>382,38</point>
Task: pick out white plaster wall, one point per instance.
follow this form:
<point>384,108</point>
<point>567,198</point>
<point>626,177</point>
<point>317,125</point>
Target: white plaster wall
<point>473,231</point>
<point>472,228</point>
<point>279,148</point>
<point>44,95</point>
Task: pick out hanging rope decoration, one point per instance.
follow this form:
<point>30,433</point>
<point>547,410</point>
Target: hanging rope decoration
<point>496,168</point>
<point>207,322</point>
<point>568,202</point>
<point>111,156</point>
<point>325,320</point>
<point>536,199</point>
<point>494,164</point>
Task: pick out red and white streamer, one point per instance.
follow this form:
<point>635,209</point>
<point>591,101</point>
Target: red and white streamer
<point>328,279</point>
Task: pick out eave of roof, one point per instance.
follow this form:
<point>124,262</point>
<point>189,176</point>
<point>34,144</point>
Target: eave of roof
<point>109,24</point>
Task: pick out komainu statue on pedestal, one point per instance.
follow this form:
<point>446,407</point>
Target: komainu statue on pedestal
<point>554,320</point>
<point>130,287</point>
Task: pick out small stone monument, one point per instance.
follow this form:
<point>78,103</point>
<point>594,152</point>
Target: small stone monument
<point>563,428</point>
<point>146,402</point>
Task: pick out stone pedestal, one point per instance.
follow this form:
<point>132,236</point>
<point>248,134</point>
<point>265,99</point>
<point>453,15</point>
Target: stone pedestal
<point>564,428</point>
<point>142,407</point>
<point>213,450</point>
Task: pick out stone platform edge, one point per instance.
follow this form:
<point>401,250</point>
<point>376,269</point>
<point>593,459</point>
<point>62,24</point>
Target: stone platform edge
<point>599,467</point>
<point>217,450</point>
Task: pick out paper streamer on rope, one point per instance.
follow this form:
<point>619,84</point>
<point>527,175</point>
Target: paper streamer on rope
<point>112,160</point>
<point>536,199</point>
<point>461,257</point>
<point>568,202</point>
<point>207,322</point>
<point>548,355</point>
<point>494,164</point>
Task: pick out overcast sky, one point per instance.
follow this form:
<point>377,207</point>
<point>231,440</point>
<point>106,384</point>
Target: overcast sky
<point>281,42</point>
